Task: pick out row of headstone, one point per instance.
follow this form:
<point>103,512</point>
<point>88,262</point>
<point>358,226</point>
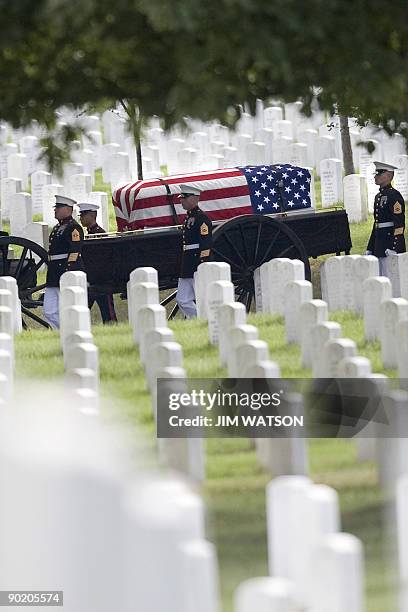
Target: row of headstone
<point>20,207</point>
<point>343,280</point>
<point>305,546</point>
<point>270,282</point>
<point>244,355</point>
<point>161,357</point>
<point>10,325</point>
<point>151,527</point>
<point>81,355</point>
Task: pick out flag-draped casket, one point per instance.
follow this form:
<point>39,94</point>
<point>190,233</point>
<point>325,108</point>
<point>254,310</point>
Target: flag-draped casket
<point>225,193</point>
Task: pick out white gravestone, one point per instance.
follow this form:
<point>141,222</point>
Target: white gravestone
<point>311,313</point>
<point>9,283</point>
<point>75,278</point>
<point>402,539</point>
<point>392,271</point>
<point>330,275</point>
<point>9,187</point>
<point>219,293</point>
<point>49,191</point>
<point>347,265</point>
<point>355,198</point>
<point>295,294</point>
<point>298,154</point>
<point>83,356</point>
<point>7,344</point>
<point>372,188</point>
<point>272,114</point>
<point>101,199</point>
<point>142,294</point>
<point>5,151</point>
<point>29,146</point>
<point>153,337</point>
<point>139,275</point>
<point>400,181</point>
<point>21,213</point>
<point>229,315</point>
<point>282,128</point>
<point>392,311</point>
<point>239,335</point>
<point>206,274</point>
<point>82,378</point>
<point>300,516</point>
<point>38,180</point>
<point>338,584</point>
<point>282,270</point>
<point>320,334</point>
<point>333,352</point>
<point>281,150</point>
<point>17,167</point>
<point>119,171</point>
<point>354,367</point>
<point>79,187</point>
<point>69,170</point>
<point>284,456</point>
<point>309,137</point>
<point>265,595</point>
<point>256,153</point>
<point>148,319</point>
<point>165,354</point>
<point>331,175</point>
<point>248,354</point>
<point>364,267</point>
<point>375,291</point>
<point>6,320</point>
<point>87,158</point>
<point>403,274</point>
<point>37,232</point>
<point>325,149</point>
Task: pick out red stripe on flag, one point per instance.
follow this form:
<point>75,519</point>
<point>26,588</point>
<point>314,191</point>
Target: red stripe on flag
<point>209,194</point>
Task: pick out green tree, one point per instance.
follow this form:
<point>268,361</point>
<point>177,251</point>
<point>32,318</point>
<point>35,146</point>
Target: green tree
<point>199,58</point>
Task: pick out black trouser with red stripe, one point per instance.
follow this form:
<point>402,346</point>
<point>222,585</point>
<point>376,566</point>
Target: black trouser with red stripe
<point>106,306</point>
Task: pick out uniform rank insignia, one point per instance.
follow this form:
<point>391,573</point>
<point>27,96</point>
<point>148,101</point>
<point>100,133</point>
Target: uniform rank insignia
<point>75,236</point>
<point>204,229</point>
<point>397,208</point>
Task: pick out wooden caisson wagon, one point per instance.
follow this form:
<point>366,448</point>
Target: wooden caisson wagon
<point>257,216</point>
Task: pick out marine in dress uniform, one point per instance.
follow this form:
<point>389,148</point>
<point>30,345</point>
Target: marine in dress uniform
<point>87,215</point>
<point>387,236</point>
<point>64,254</point>
<point>197,244</point>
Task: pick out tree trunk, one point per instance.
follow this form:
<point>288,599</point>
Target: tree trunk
<point>346,146</point>
<point>139,157</point>
<point>135,121</point>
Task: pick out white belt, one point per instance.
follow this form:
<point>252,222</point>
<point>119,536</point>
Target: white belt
<point>385,224</point>
<point>62,256</point>
<point>190,247</point>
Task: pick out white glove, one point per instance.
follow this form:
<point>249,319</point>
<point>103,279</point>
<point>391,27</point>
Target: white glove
<point>368,253</point>
<point>389,252</point>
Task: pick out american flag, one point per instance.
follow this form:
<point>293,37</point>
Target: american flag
<point>225,194</point>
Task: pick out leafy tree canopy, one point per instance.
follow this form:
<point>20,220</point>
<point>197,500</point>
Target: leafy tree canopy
<point>189,57</point>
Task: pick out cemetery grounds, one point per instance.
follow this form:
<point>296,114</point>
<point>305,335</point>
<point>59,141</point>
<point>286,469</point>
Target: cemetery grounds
<point>234,490</point>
